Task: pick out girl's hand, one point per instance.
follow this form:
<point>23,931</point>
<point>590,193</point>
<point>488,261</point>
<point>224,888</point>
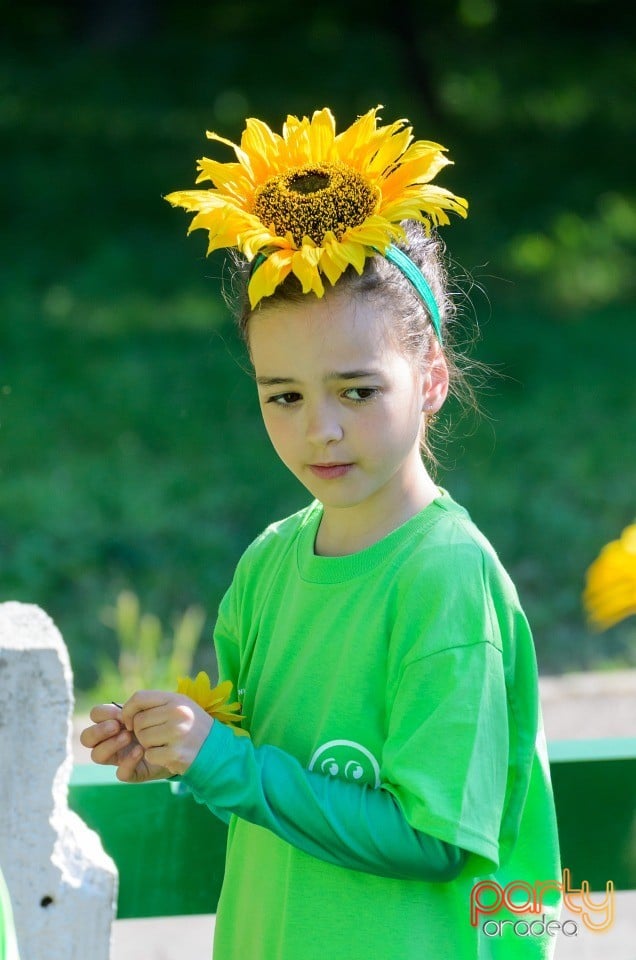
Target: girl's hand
<point>170,727</point>
<point>111,743</point>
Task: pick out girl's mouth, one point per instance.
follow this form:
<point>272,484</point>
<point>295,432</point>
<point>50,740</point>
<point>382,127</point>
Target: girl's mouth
<point>330,471</point>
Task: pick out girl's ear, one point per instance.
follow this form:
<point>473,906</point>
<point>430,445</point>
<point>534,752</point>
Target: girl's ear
<point>435,385</point>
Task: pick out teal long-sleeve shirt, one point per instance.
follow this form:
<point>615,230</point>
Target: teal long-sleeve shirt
<point>348,824</point>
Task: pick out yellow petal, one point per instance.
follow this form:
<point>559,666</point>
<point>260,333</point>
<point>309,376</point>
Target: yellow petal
<point>228,226</point>
<point>628,539</point>
<point>322,134</point>
<point>230,179</point>
<point>241,156</point>
<point>184,685</point>
<point>213,701</point>
<point>297,142</point>
<point>193,199</point>
<point>429,153</point>
<point>305,266</point>
<point>357,137</point>
<point>262,146</point>
<point>610,591</point>
<point>389,151</point>
<point>330,266</point>
<point>267,277</point>
<point>220,693</point>
<point>345,253</point>
<point>376,232</point>
<point>424,203</point>
<point>291,125</point>
<point>408,176</point>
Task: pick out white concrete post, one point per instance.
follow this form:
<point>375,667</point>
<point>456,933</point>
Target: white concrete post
<point>62,884</point>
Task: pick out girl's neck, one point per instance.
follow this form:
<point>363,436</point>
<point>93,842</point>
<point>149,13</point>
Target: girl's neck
<point>345,530</point>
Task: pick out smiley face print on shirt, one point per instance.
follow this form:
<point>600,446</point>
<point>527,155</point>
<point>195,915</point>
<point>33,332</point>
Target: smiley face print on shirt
<point>347,760</point>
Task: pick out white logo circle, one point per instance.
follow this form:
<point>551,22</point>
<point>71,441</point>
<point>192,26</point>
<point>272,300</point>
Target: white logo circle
<point>348,760</point>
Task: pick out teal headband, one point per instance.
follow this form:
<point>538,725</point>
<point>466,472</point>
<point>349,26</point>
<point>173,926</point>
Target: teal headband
<point>409,270</point>
<point>417,279</point>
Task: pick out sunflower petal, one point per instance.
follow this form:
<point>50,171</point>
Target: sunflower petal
<point>610,591</point>
<point>322,134</point>
<point>349,253</point>
<point>296,134</point>
<point>359,134</point>
<point>425,202</point>
<point>262,146</point>
<point>305,266</point>
<point>389,151</point>
<point>225,226</point>
<point>376,233</point>
<point>410,173</point>
<point>257,240</point>
<point>241,156</point>
<point>330,267</point>
<point>268,276</point>
<point>192,199</point>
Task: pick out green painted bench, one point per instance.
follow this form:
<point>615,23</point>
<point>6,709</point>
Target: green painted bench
<point>170,851</point>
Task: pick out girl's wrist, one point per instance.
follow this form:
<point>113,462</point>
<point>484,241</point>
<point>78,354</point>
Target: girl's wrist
<point>193,748</point>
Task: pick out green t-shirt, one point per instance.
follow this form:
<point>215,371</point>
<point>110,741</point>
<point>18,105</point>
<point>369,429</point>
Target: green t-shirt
<point>8,945</point>
<point>407,667</point>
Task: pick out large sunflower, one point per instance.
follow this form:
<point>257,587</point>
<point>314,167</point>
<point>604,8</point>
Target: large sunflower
<point>313,201</point>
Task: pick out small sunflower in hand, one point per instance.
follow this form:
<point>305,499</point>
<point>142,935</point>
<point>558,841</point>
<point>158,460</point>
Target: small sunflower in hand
<point>214,700</point>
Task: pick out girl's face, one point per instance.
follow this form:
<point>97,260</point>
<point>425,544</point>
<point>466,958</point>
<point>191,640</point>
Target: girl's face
<point>342,404</point>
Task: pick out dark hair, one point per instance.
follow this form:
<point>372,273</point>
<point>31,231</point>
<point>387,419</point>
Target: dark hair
<point>411,326</point>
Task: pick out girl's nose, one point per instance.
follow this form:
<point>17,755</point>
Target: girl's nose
<point>323,425</point>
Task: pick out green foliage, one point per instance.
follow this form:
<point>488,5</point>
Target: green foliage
<point>132,455</point>
<point>148,659</point>
<point>583,262</point>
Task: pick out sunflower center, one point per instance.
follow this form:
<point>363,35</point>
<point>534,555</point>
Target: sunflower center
<point>309,182</point>
<point>314,199</point>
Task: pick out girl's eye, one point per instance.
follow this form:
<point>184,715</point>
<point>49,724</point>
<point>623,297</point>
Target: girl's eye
<point>363,393</point>
<point>284,399</point>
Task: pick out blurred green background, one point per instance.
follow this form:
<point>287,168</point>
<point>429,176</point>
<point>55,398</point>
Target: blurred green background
<point>132,454</point>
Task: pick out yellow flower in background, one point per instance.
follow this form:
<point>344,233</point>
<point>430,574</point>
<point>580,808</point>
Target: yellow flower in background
<point>312,202</point>
<point>610,592</point>
<point>213,700</point>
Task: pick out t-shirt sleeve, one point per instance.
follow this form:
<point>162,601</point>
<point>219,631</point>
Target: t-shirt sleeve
<point>231,614</point>
<point>226,637</point>
<point>448,755</point>
<point>227,657</point>
<point>445,759</point>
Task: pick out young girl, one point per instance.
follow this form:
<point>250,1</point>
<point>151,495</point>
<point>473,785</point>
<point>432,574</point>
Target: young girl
<point>393,797</point>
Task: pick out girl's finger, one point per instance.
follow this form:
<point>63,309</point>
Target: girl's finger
<point>142,700</point>
<point>111,750</point>
<point>157,756</point>
<point>152,717</point>
<point>105,711</point>
<point>91,736</point>
<point>156,736</point>
<point>132,766</point>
